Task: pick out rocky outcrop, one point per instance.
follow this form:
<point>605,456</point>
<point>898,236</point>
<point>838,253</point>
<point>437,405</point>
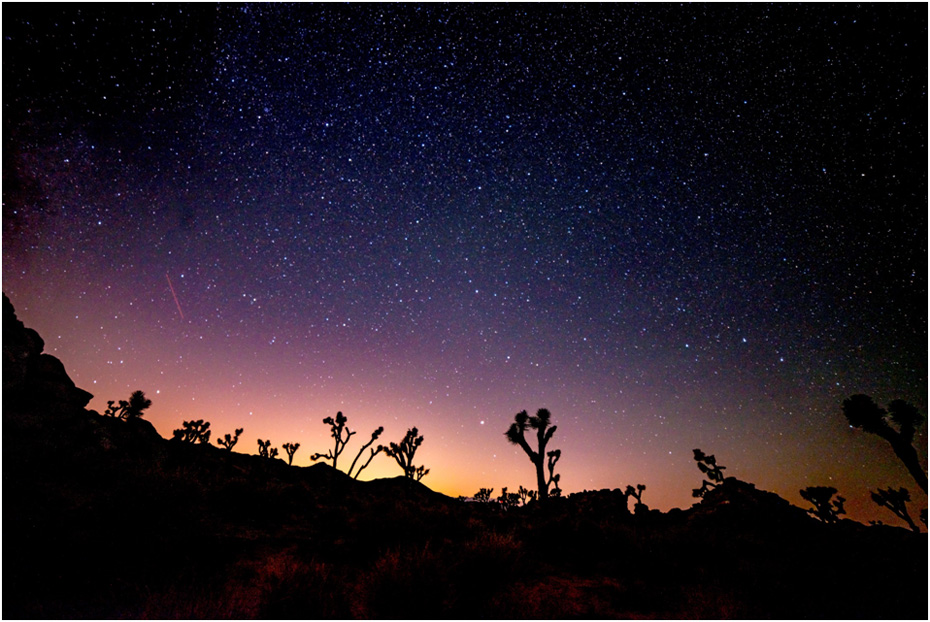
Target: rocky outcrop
<point>31,379</point>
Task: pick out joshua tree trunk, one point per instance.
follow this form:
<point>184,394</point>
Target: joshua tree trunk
<point>908,455</point>
<point>541,485</point>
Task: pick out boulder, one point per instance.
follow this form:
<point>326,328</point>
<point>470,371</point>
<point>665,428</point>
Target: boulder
<point>33,380</point>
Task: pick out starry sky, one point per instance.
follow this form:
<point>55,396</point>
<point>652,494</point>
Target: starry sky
<point>673,226</point>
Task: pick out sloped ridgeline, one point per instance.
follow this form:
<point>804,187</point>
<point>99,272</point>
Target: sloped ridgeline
<point>103,518</point>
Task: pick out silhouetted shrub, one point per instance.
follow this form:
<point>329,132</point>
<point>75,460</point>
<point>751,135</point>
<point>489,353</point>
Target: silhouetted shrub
<point>896,501</point>
<point>825,507</point>
<point>708,465</point>
<point>193,432</point>
<point>265,450</point>
<point>865,414</point>
<point>291,449</point>
<point>404,452</point>
<point>526,495</point>
<point>230,441</point>
<point>484,495</point>
<point>130,409</point>
<point>516,435</point>
<point>508,499</point>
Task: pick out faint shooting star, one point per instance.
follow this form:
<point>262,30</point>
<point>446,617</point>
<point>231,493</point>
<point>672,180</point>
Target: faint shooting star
<point>174,295</point>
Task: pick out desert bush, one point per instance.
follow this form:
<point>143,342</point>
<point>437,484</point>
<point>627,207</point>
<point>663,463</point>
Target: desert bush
<point>229,441</point>
<point>193,432</point>
<point>508,499</point>
<point>526,495</point>
<point>128,409</point>
<point>826,508</point>
<point>265,450</point>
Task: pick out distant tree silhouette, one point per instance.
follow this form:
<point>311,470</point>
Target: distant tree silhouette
<point>865,414</point>
<point>193,432</point>
<point>516,435</point>
<point>374,452</point>
<point>291,449</point>
<point>825,507</point>
<point>338,427</point>
<point>230,441</point>
<point>341,434</point>
<point>265,450</point>
<point>708,465</point>
<point>896,501</point>
<point>526,495</point>
<point>508,499</point>
<point>637,493</point>
<point>403,453</point>
<point>484,495</point>
<point>130,409</point>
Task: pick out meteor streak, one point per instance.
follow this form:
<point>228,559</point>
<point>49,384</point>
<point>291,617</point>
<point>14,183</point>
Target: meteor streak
<point>174,295</point>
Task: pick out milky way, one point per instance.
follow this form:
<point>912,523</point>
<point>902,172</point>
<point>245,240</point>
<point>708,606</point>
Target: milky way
<point>674,227</point>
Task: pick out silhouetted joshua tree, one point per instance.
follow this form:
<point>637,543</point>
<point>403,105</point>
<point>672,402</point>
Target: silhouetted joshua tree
<point>127,410</point>
<point>265,450</point>
<point>637,493</point>
<point>341,434</point>
<point>193,432</point>
<point>291,449</point>
<point>526,495</point>
<point>374,452</point>
<point>508,499</point>
<point>540,423</point>
<point>230,441</point>
<point>865,414</point>
<point>896,501</point>
<point>484,495</point>
<point>708,465</point>
<point>404,452</point>
<point>825,507</point>
<point>337,428</point>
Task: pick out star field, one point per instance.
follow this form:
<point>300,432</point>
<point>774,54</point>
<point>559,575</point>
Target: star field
<point>674,227</point>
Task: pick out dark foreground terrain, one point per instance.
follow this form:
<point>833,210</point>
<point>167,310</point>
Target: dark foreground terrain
<point>103,518</point>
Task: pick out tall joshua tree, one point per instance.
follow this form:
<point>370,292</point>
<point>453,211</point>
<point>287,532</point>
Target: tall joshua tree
<point>338,427</point>
<point>339,430</point>
<point>516,435</point>
<point>865,414</point>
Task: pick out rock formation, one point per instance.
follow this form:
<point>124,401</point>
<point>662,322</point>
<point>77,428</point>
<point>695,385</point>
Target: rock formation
<point>31,379</point>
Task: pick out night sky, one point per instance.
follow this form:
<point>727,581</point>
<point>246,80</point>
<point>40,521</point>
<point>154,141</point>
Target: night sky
<point>674,227</point>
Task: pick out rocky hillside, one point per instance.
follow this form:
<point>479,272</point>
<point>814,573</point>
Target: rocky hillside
<point>103,518</point>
